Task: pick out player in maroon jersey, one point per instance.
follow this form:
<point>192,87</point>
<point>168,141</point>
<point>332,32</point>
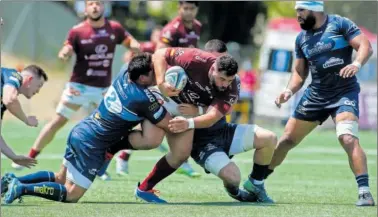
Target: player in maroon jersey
<point>184,30</point>
<point>214,85</point>
<point>93,41</point>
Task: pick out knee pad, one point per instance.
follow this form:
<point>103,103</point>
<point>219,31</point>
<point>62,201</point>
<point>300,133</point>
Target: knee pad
<point>65,111</point>
<point>347,127</point>
<point>216,162</point>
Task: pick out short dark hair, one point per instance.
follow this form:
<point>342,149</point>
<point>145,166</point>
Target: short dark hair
<point>37,71</point>
<point>140,64</point>
<point>227,64</point>
<point>215,45</point>
<point>196,3</point>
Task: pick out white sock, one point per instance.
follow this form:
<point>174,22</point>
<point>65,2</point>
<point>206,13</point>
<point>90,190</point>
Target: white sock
<point>257,182</point>
<point>363,189</point>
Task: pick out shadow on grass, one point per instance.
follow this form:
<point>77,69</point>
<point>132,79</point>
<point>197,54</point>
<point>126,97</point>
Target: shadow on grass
<point>181,203</point>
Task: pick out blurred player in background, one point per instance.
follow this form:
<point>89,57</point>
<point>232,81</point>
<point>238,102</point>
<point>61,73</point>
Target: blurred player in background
<point>324,48</point>
<point>28,82</point>
<point>93,41</point>
<point>184,30</point>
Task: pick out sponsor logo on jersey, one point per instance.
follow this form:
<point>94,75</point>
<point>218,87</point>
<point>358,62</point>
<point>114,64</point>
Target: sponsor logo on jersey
<point>86,41</point>
<point>200,59</point>
<point>333,61</point>
<point>320,47</point>
<point>158,113</point>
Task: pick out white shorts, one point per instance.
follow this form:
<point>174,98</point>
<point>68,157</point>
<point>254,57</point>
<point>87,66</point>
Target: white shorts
<point>81,94</point>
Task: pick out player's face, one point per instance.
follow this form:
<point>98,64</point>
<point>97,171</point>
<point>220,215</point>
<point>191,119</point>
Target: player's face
<point>148,80</point>
<point>220,80</point>
<point>306,19</point>
<point>94,10</point>
<point>188,11</point>
<point>155,36</point>
<point>33,85</point>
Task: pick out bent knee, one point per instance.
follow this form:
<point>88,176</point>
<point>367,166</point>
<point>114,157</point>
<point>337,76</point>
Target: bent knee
<point>230,174</point>
<point>265,139</point>
<point>287,141</point>
<point>348,140</point>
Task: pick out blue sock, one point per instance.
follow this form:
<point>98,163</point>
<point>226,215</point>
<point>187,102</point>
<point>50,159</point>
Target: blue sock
<point>41,176</point>
<point>47,190</point>
<point>104,167</point>
<point>362,180</point>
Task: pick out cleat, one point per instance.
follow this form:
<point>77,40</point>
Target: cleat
<point>122,167</point>
<point>5,180</point>
<point>14,192</point>
<point>151,196</point>
<point>257,190</point>
<point>187,170</point>
<point>17,167</point>
<point>244,196</point>
<point>365,199</point>
<point>105,177</point>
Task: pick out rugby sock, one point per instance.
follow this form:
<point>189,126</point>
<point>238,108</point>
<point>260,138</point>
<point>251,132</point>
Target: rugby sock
<point>363,183</point>
<point>41,176</point>
<point>125,155</point>
<point>268,172</point>
<point>33,153</point>
<point>161,170</point>
<point>47,190</point>
<point>258,174</point>
<point>233,190</point>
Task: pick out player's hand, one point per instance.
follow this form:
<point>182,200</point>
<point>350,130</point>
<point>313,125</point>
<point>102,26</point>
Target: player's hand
<point>134,45</point>
<point>283,97</point>
<point>188,109</point>
<point>63,55</point>
<point>32,121</point>
<point>25,161</point>
<point>167,90</point>
<point>349,71</point>
<point>178,124</point>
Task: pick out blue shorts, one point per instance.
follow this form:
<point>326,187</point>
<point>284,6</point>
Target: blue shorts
<point>82,159</point>
<point>313,107</point>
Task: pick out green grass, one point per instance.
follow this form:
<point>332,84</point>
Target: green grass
<point>315,180</point>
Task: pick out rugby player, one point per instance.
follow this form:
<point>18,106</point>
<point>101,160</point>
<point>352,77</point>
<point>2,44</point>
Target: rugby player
<point>108,129</point>
<point>28,83</point>
<point>324,48</point>
<point>212,84</point>
<point>93,41</point>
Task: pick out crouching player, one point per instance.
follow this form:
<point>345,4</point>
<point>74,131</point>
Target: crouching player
<point>127,103</point>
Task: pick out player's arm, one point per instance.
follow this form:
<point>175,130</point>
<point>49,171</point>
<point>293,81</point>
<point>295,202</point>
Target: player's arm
<point>360,43</point>
<point>67,50</point>
<point>131,43</point>
<point>166,38</point>
<point>10,100</point>
<point>191,110</point>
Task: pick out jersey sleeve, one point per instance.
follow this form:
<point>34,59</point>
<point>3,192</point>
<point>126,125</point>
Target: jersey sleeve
<point>178,57</point>
<point>298,50</point>
<point>122,35</point>
<point>224,101</point>
<point>168,36</point>
<point>150,108</point>
<point>71,39</point>
<point>349,29</point>
<point>13,79</point>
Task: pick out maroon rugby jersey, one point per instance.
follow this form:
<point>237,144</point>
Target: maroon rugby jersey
<point>175,34</point>
<point>94,48</point>
<point>198,90</point>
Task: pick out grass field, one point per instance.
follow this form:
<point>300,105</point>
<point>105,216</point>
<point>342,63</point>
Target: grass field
<point>315,180</point>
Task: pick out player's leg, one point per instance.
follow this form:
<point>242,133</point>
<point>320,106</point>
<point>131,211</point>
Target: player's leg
<point>122,162</point>
<point>180,148</point>
<point>347,132</point>
<point>295,131</point>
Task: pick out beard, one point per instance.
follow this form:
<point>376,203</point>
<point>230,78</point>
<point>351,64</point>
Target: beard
<point>96,18</point>
<point>215,87</point>
<point>308,23</point>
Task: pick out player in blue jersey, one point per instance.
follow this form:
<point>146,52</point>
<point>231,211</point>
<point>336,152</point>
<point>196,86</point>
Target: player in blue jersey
<point>127,103</point>
<point>324,48</point>
<point>28,82</point>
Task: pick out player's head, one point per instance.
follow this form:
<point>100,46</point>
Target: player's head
<point>155,35</point>
<point>188,10</point>
<point>216,46</point>
<point>94,10</point>
<point>33,78</point>
<point>140,69</point>
<point>307,12</point>
<point>223,72</point>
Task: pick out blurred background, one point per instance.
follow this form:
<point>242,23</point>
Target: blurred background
<point>259,34</point>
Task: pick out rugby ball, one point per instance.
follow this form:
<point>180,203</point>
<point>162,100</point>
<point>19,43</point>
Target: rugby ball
<point>176,76</point>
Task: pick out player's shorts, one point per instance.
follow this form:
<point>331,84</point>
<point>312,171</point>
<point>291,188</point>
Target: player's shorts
<point>82,159</point>
<point>81,94</point>
<point>223,137</point>
<point>312,107</point>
